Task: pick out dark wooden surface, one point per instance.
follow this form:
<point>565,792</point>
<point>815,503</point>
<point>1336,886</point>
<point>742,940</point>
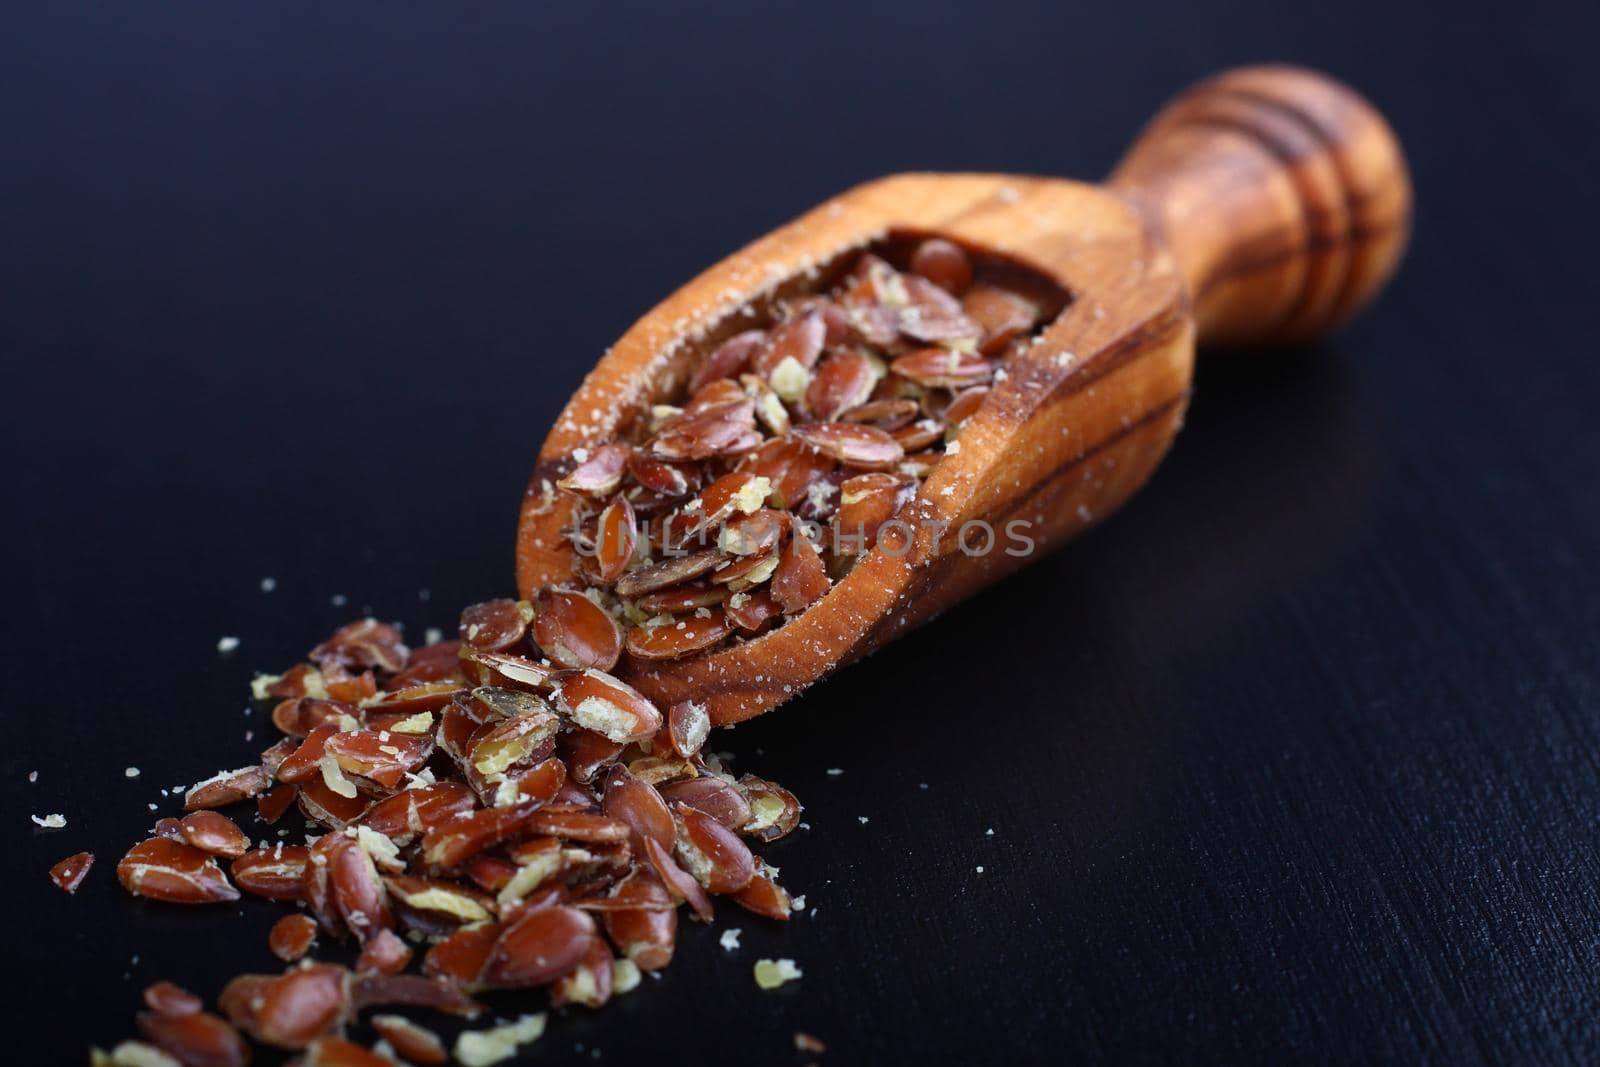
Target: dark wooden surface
<point>1295,760</point>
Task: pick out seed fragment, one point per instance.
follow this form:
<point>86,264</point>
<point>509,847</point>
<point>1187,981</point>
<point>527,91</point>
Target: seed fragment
<point>801,577</point>
<point>866,503</point>
<point>513,672</point>
<point>853,444</point>
<point>666,480</point>
<point>844,380</point>
<point>720,429</point>
<point>589,983</point>
<point>132,1054</point>
<point>727,359</point>
<point>625,976</point>
<point>597,701</point>
<point>292,937</point>
<point>171,1001</point>
<point>714,796</point>
<point>797,340</point>
<point>679,882</point>
<point>943,263</point>
<point>499,746</point>
<point>463,836</point>
<point>636,803</point>
<point>646,933</point>
<point>416,1044</point>
<point>576,632</point>
<point>617,535</point>
<point>495,625</point>
<point>319,803</point>
<point>751,610</point>
<point>586,753</point>
<point>680,599</point>
<point>410,706</point>
<point>539,948</point>
<point>600,473</point>
<point>291,1010</point>
<point>676,639</point>
<point>385,953</point>
<point>163,869</point>
<point>214,833</point>
<point>361,645</point>
<point>331,1051</point>
<point>70,872</point>
<point>672,571</point>
<point>227,787</point>
<point>274,802</point>
<point>277,873</point>
<point>804,1042</point>
<point>770,974</point>
<point>774,811</point>
<point>688,725</point>
<point>888,415</point>
<point>711,852</point>
<point>1004,316</point>
<point>764,896</point>
<point>300,716</point>
<point>943,368</point>
<point>437,906</point>
<point>481,1048</point>
<point>197,1038</point>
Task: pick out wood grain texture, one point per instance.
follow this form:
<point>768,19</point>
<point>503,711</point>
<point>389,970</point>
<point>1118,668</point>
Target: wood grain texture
<point>1284,196</point>
<point>1281,221</point>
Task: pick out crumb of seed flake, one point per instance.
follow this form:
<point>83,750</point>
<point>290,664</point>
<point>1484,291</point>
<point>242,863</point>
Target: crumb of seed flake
<point>863,819</point>
<point>33,776</point>
<point>131,1054</point>
<point>730,938</point>
<point>480,1048</point>
<point>50,822</point>
<point>268,584</point>
<point>804,1042</point>
<point>980,870</point>
<point>625,976</point>
<point>835,771</point>
<point>228,644</point>
<point>130,772</point>
<point>770,974</point>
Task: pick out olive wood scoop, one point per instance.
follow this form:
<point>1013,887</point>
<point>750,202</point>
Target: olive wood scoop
<point>1264,206</point>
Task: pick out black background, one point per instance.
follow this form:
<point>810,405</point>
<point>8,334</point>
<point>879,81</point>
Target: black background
<point>1296,759</point>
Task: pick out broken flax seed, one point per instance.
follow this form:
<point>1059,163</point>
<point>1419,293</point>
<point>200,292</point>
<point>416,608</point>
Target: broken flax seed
<point>515,810</point>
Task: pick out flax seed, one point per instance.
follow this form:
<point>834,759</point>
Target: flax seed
<point>504,798</point>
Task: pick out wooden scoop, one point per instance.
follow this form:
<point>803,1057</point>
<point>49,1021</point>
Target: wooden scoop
<point>1263,206</point>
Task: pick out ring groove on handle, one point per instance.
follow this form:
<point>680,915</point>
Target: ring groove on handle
<point>1283,195</point>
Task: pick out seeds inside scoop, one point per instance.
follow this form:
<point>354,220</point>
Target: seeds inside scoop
<point>875,371</point>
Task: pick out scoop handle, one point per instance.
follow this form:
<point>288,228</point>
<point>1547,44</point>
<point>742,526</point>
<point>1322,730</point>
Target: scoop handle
<point>1282,194</point>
